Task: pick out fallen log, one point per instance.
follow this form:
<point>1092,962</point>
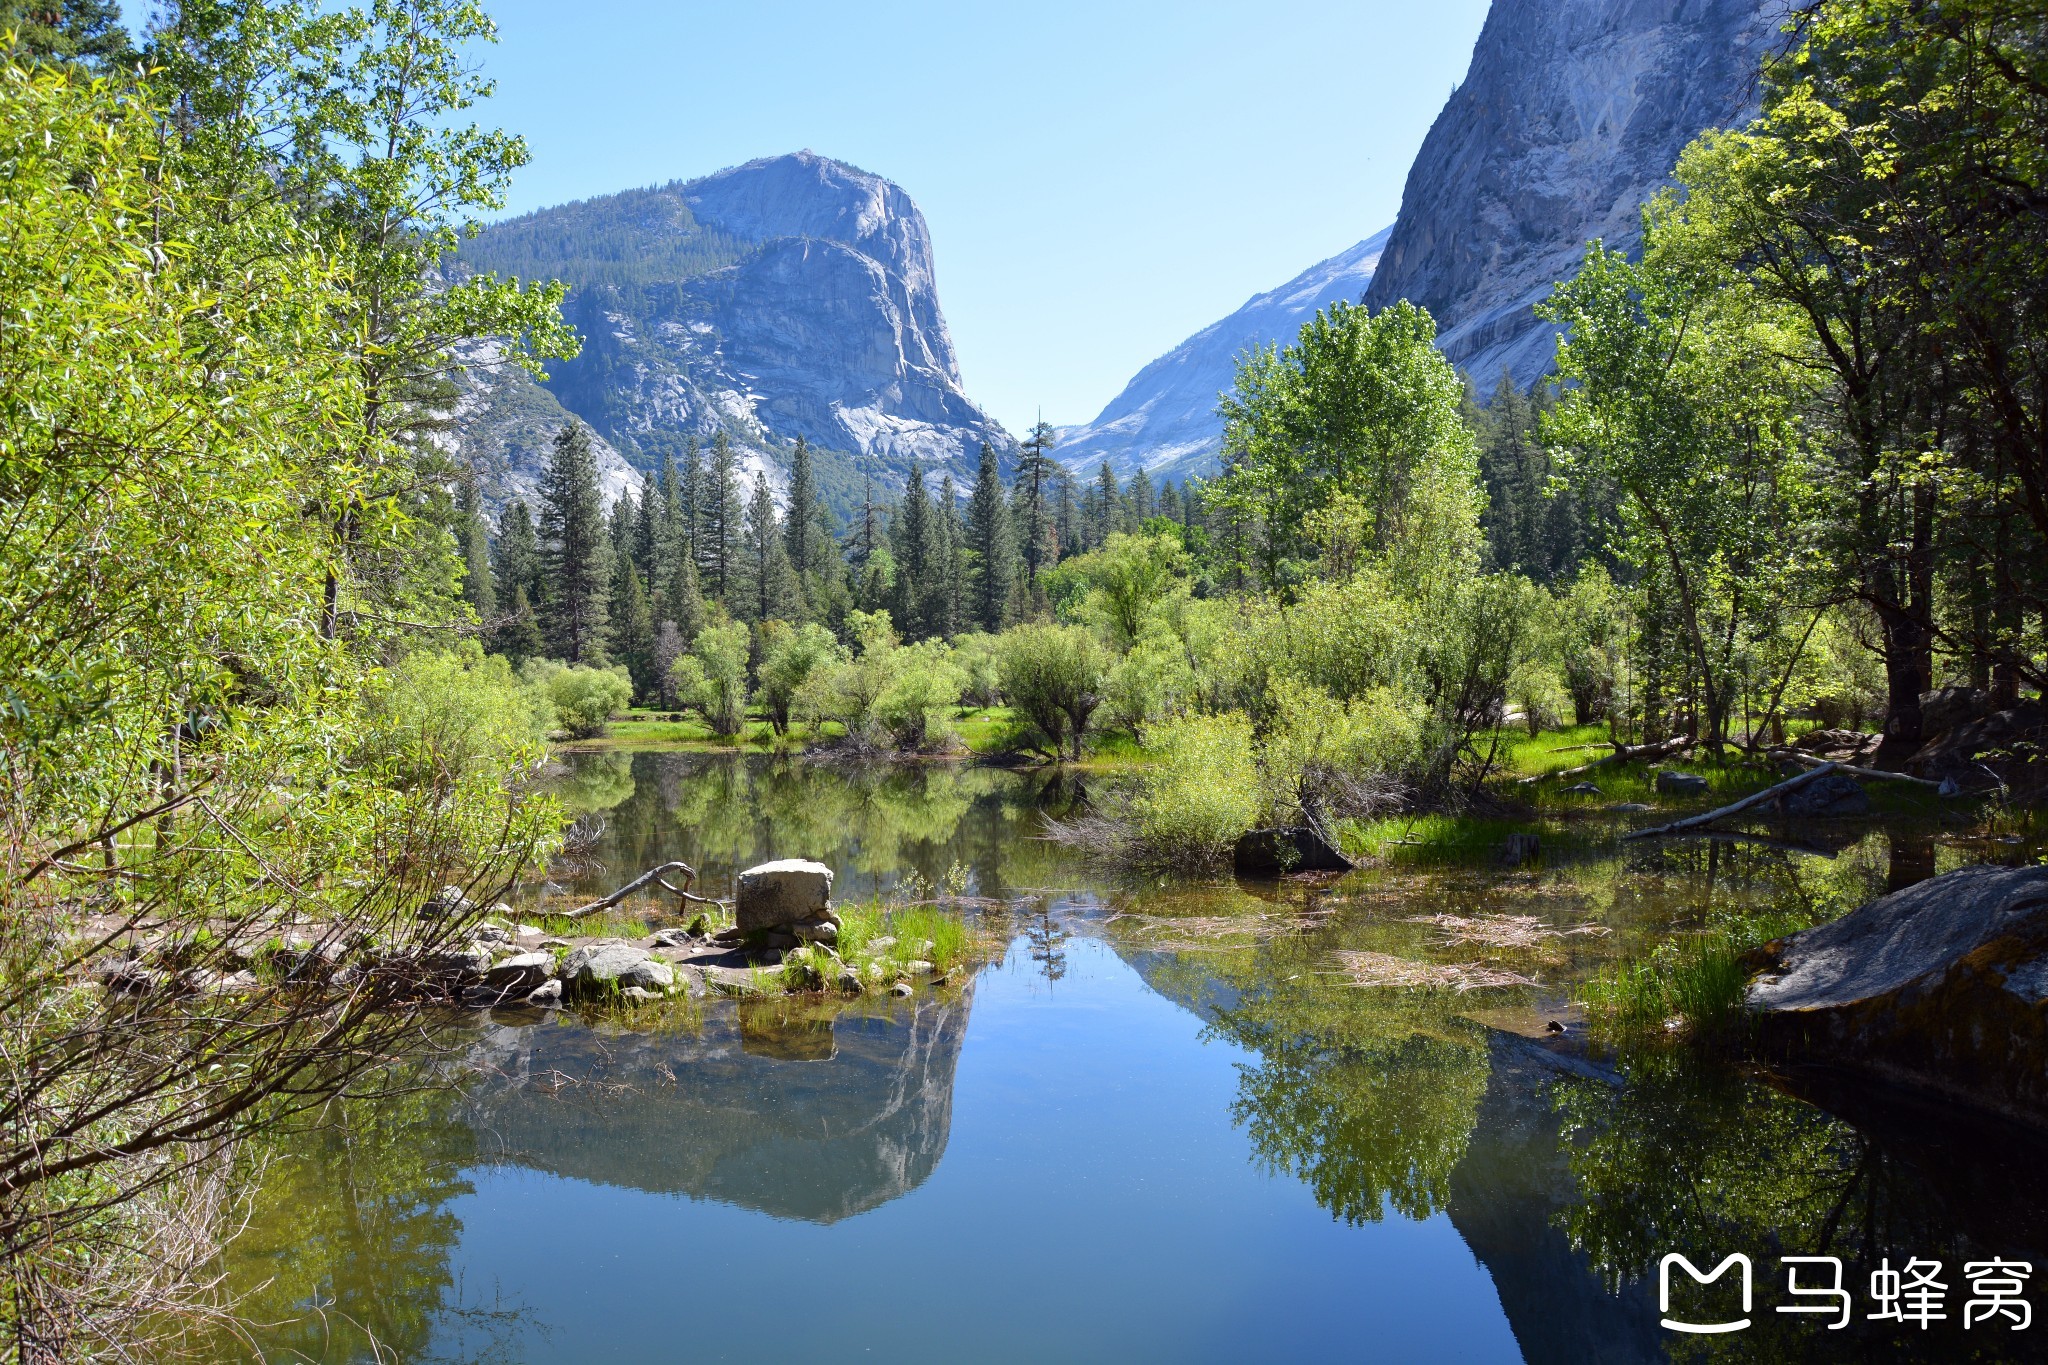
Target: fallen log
<point>1622,754</point>
<point>1735,807</point>
<point>654,874</point>
<point>1867,774</point>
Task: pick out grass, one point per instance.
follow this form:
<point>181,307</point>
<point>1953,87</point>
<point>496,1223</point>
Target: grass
<point>1431,838</point>
<point>1688,984</point>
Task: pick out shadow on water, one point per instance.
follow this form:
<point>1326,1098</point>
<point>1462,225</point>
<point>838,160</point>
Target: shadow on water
<point>1567,1174</point>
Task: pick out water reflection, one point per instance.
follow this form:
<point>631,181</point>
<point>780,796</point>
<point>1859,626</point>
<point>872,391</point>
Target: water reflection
<point>797,1110</point>
<point>1566,1174</point>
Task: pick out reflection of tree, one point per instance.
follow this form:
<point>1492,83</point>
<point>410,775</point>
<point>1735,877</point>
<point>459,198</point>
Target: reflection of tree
<point>1047,941</point>
<point>1698,1159</point>
<point>596,782</point>
<point>1366,1096</point>
<point>351,1236</point>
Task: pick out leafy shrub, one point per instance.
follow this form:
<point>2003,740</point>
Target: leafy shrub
<point>1054,676</point>
<point>712,677</point>
<point>1204,793</point>
<point>435,719</point>
<point>584,698</point>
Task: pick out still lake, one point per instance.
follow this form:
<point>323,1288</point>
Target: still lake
<point>1161,1127</point>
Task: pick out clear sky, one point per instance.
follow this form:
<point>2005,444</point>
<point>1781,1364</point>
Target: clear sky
<point>1101,178</point>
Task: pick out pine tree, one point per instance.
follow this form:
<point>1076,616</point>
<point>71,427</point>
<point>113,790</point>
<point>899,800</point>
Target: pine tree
<point>647,534</point>
<point>803,503</point>
<point>773,593</point>
<point>1140,499</point>
<point>719,534</point>
<point>690,503</point>
<point>1037,472</point>
<point>681,600</point>
<point>477,587</point>
<point>952,585</point>
<point>1107,504</point>
<point>575,551</point>
<point>1069,517</point>
<point>516,567</point>
<point>83,31</point>
<point>914,547</point>
<point>1169,503</point>
<point>989,550</point>
<point>632,633</point>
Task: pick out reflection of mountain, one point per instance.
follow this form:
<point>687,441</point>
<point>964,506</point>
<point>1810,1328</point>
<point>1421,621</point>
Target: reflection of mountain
<point>814,1118</point>
<point>1505,1197</point>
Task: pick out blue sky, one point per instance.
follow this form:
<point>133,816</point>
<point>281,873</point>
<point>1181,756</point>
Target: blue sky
<point>1101,179</point>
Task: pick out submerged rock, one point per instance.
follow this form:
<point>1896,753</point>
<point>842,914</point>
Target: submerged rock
<point>1287,848</point>
<point>1943,986</point>
<point>781,893</point>
<point>1837,794</point>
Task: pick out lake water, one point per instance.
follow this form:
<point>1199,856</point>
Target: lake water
<point>1162,1127</point>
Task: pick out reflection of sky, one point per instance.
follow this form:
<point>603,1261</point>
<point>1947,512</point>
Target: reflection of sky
<point>1095,1202</point>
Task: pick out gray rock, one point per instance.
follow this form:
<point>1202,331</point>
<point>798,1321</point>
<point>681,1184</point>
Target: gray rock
<point>849,981</point>
<point>1943,985</point>
<point>640,995</point>
<point>823,322</point>
<point>901,988</point>
<point>816,931</point>
<point>547,995</point>
<point>1582,789</point>
<point>675,938</point>
<point>520,972</point>
<point>781,893</point>
<point>610,965</point>
<point>1671,783</point>
<point>466,965</point>
<point>919,967</point>
<point>1629,808</point>
<point>1837,794</point>
<point>1945,708</point>
<point>1570,116</point>
<point>493,933</point>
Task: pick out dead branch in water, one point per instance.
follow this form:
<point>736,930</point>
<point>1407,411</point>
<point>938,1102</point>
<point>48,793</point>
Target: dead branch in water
<point>653,874</point>
<point>1790,784</point>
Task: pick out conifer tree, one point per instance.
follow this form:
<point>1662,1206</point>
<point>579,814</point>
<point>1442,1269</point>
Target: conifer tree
<point>575,551</point>
<point>478,589</point>
<point>773,593</point>
<point>632,632</point>
<point>952,585</point>
<point>1069,517</point>
<point>914,549</point>
<point>1106,505</point>
<point>720,528</point>
<point>989,551</point>
<point>803,502</point>
<point>647,518</point>
<point>516,567</point>
<point>690,502</point>
<point>681,600</point>
<point>1140,499</point>
<point>1037,474</point>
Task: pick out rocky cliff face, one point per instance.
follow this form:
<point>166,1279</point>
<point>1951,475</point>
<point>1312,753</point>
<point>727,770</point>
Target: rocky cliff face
<point>1164,421</point>
<point>1573,113</point>
<point>792,296</point>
